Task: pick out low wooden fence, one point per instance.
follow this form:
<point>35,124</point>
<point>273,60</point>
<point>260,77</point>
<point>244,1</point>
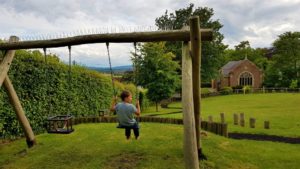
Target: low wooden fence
<point>217,128</point>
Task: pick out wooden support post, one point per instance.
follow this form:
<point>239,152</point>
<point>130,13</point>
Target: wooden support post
<point>267,125</point>
<point>196,65</point>
<point>6,61</point>
<point>189,140</point>
<point>235,119</point>
<point>222,115</point>
<point>242,119</point>
<point>4,79</point>
<point>252,122</point>
<point>30,139</point>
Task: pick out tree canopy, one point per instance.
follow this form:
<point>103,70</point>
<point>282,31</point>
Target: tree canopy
<point>285,61</point>
<point>157,71</point>
<point>212,52</point>
<point>244,50</point>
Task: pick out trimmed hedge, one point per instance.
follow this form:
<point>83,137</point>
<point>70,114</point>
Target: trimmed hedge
<point>44,90</point>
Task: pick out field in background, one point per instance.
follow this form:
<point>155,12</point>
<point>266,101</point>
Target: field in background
<point>281,109</point>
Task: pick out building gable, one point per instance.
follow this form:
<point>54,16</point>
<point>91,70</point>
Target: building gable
<point>231,66</point>
<point>232,74</point>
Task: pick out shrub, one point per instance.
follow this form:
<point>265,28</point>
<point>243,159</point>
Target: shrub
<point>144,101</point>
<point>206,85</point>
<point>247,89</point>
<point>237,87</point>
<point>294,84</point>
<point>226,91</point>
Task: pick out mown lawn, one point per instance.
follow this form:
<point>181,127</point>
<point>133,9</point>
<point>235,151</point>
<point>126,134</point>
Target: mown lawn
<point>281,109</point>
<point>160,147</point>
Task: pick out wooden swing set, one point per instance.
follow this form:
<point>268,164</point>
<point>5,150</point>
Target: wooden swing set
<point>191,58</point>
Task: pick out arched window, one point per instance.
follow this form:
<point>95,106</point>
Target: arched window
<point>246,79</point>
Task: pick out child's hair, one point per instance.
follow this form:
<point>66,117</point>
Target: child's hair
<point>125,94</point>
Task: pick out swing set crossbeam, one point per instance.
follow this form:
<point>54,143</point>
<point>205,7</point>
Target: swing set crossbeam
<point>156,36</point>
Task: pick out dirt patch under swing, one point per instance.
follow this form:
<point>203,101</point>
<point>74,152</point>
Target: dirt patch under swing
<point>126,160</point>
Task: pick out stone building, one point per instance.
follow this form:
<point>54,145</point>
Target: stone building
<point>239,73</point>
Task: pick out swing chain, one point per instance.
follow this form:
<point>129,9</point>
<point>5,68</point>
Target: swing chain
<point>111,72</point>
<point>135,72</point>
<point>69,77</point>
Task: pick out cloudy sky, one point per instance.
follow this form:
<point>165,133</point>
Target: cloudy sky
<point>258,21</point>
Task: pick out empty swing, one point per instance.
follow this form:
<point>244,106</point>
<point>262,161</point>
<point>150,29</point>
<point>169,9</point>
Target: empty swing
<point>61,124</point>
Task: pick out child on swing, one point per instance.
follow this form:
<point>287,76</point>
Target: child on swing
<point>125,114</point>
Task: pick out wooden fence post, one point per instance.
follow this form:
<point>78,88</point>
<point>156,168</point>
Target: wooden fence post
<point>222,115</point>
<point>189,140</point>
<point>242,119</point>
<point>210,119</point>
<point>235,119</point>
<point>210,123</point>
<point>267,125</point>
<point>252,122</point>
<point>224,130</point>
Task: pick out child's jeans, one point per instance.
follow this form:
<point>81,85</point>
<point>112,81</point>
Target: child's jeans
<point>135,128</point>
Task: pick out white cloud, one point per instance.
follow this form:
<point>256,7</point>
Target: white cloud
<point>259,21</point>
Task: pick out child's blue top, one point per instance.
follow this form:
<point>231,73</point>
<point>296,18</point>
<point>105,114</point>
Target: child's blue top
<point>125,113</point>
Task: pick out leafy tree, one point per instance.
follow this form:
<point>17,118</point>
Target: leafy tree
<point>157,71</point>
<point>211,51</point>
<point>287,54</point>
<point>284,65</point>
<point>128,77</point>
<point>243,50</point>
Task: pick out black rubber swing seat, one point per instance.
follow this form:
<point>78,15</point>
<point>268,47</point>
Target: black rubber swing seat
<point>135,126</point>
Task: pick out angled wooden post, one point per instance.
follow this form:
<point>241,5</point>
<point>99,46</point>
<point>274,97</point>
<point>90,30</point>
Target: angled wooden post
<point>30,139</point>
<point>195,37</point>
<point>189,139</point>
<point>4,67</point>
<point>6,61</point>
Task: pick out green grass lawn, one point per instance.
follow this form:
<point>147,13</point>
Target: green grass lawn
<point>172,108</point>
<point>160,147</point>
<point>101,145</point>
<point>282,110</point>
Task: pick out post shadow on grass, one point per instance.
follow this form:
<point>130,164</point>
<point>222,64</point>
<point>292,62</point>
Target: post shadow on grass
<point>201,155</point>
<point>173,107</point>
<point>264,137</point>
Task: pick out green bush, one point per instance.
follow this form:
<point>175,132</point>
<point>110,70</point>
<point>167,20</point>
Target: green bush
<point>247,89</point>
<point>237,87</point>
<point>144,101</point>
<point>294,84</point>
<point>44,90</point>
<point>226,91</point>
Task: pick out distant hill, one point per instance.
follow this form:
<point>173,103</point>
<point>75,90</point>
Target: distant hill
<point>116,69</point>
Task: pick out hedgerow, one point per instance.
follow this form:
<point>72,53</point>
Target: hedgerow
<point>44,90</point>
